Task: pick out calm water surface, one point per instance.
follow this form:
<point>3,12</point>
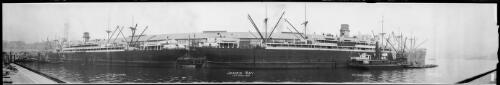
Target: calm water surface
<point>449,71</point>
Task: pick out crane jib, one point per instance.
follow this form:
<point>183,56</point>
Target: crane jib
<point>255,26</point>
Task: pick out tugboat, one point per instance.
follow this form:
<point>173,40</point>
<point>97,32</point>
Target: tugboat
<point>415,58</point>
<point>190,60</point>
<point>366,61</point>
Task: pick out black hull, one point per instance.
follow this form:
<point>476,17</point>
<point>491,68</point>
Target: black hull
<point>220,57</point>
<point>265,58</point>
<point>139,56</point>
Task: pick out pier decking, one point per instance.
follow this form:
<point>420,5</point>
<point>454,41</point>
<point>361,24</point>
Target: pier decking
<point>25,76</point>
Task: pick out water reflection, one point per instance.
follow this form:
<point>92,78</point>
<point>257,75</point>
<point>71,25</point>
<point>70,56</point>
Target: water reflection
<point>78,72</point>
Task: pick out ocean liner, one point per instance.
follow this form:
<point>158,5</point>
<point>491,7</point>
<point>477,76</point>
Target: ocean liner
<point>288,53</point>
<point>291,49</point>
<point>127,50</point>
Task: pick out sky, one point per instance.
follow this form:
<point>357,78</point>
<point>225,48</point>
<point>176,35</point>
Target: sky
<point>464,28</point>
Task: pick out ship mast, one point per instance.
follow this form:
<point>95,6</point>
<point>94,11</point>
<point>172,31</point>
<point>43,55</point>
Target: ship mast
<point>305,20</point>
<point>47,43</point>
<point>265,22</point>
<point>107,28</point>
<point>133,33</point>
<point>108,31</point>
<point>109,38</point>
<point>383,32</point>
<point>66,34</point>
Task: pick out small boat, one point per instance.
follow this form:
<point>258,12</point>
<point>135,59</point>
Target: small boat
<point>190,59</point>
<point>378,65</point>
<point>364,61</point>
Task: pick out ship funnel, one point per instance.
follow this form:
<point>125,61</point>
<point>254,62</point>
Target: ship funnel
<point>344,30</point>
<point>86,36</point>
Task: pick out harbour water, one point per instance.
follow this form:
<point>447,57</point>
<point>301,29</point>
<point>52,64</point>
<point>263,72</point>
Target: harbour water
<point>448,71</point>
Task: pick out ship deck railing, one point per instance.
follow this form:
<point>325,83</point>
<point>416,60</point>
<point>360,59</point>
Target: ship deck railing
<point>318,46</point>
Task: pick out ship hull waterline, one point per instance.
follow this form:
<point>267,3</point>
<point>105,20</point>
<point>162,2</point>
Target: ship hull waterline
<point>165,57</point>
<point>220,57</point>
<point>275,58</point>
